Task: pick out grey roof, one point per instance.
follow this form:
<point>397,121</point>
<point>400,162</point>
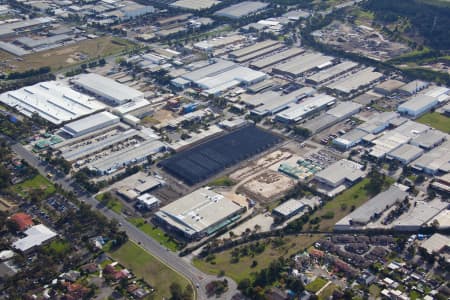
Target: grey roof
<point>375,205</point>
<point>198,211</point>
<point>241,9</point>
<point>390,85</point>
<point>417,103</point>
<point>9,28</point>
<point>435,243</point>
<point>333,71</point>
<point>35,43</point>
<point>436,159</point>
<point>414,86</point>
<point>356,80</point>
<point>288,207</point>
<point>194,4</point>
<point>35,236</point>
<point>341,170</point>
<point>343,109</point>
<point>13,49</point>
<point>277,57</point>
<point>259,53</point>
<point>406,152</point>
<point>429,139</point>
<point>298,111</point>
<point>351,137</point>
<point>93,121</point>
<point>253,48</point>
<point>219,66</point>
<point>303,63</point>
<point>274,102</point>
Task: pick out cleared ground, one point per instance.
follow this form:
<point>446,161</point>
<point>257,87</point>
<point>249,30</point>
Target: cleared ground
<point>156,233</point>
<point>436,120</point>
<point>146,266</point>
<point>38,182</point>
<point>243,268</point>
<point>66,56</point>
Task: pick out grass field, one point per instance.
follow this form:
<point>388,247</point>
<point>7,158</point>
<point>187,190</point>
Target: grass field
<point>316,285</point>
<point>58,247</point>
<point>221,181</point>
<point>243,269</point>
<point>62,57</point>
<point>156,233</point>
<point>37,182</point>
<point>327,292</point>
<point>113,204</point>
<point>436,120</point>
<point>146,266</point>
<point>341,205</point>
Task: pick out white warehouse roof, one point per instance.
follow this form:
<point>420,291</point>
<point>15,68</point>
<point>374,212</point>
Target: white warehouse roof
<point>298,111</point>
<point>107,88</point>
<point>35,236</point>
<point>51,100</point>
<point>91,123</point>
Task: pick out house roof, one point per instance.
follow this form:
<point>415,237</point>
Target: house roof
<point>22,220</point>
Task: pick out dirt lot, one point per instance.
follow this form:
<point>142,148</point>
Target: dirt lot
<point>65,56</point>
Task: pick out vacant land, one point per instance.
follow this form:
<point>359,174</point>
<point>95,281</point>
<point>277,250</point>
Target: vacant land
<point>156,233</point>
<point>436,120</point>
<point>339,207</point>
<point>316,285</point>
<point>38,182</point>
<point>222,181</point>
<point>112,203</point>
<point>146,266</point>
<point>62,57</point>
<point>245,266</point>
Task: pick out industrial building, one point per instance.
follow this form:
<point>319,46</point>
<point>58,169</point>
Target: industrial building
<point>299,168</point>
<point>106,88</point>
<point>147,202</point>
<point>332,72</point>
<point>276,58</point>
<point>304,108</point>
<point>194,4</point>
<point>340,112</point>
<point>429,140</point>
<point>35,236</point>
<point>121,159</point>
<point>397,137</point>
<point>258,53</point>
<point>23,26</point>
<point>288,209</point>
<point>271,102</point>
<point>242,9</point>
<point>219,42</point>
<point>418,105</point>
<point>379,122</point>
<point>436,243</point>
<point>419,215</point>
<point>51,100</point>
<point>252,48</point>
<point>89,124</point>
<point>340,173</point>
<point>405,153</point>
<point>355,81</point>
<point>388,87</point>
<point>435,161</point>
<point>222,75</point>
<point>349,139</point>
<point>198,214</point>
<point>137,184</point>
<point>413,87</point>
<point>371,209</point>
<point>303,63</point>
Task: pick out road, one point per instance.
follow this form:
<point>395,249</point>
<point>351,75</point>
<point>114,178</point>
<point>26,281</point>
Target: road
<point>180,265</point>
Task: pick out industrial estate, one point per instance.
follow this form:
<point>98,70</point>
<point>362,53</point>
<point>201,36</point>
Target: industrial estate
<point>222,149</point>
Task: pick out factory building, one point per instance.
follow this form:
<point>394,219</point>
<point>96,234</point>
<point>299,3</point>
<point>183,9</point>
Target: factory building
<point>332,72</point>
<point>435,161</point>
<point>405,153</point>
<point>388,87</point>
<point>90,124</point>
<point>252,48</point>
<point>220,76</point>
<point>51,100</point>
<point>413,87</point>
<point>242,9</point>
<point>271,102</point>
<point>349,139</point>
<point>276,58</point>
<point>355,81</point>
<point>106,88</point>
<point>307,107</point>
<point>194,4</point>
<point>198,214</point>
<point>371,209</point>
<point>219,42</point>
<point>147,202</point>
<point>288,209</point>
<point>379,123</point>
<point>429,140</point>
<point>418,105</point>
<point>20,27</point>
<point>340,173</point>
<point>303,63</point>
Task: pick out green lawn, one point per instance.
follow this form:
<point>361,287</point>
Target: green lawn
<point>37,182</point>
<point>327,292</point>
<point>58,247</point>
<point>374,291</point>
<point>341,205</point>
<point>146,266</point>
<point>436,120</point>
<point>316,285</point>
<point>113,204</point>
<point>156,233</point>
<point>243,268</point>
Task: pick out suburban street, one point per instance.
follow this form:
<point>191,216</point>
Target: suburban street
<point>182,266</point>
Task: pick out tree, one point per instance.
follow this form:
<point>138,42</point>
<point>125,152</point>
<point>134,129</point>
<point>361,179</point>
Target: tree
<point>301,131</point>
<point>176,291</point>
<point>376,182</point>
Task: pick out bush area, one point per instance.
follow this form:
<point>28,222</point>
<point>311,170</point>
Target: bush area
<point>38,186</point>
<point>222,181</point>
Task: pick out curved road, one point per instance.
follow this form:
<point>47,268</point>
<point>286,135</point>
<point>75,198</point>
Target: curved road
<point>180,265</point>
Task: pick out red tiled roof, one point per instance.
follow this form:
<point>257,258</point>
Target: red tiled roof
<point>23,220</point>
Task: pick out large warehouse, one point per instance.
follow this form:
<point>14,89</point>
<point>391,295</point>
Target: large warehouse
<point>355,81</point>
<point>417,105</point>
<point>90,124</point>
<point>330,73</point>
<point>51,100</point>
<point>306,107</point>
<point>198,214</point>
<point>222,75</point>
<point>435,161</point>
<point>276,58</point>
<point>208,159</point>
<point>242,9</point>
<point>303,63</point>
<point>253,48</point>
<point>106,88</point>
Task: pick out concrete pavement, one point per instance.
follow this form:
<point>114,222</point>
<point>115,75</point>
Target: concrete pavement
<point>195,276</point>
